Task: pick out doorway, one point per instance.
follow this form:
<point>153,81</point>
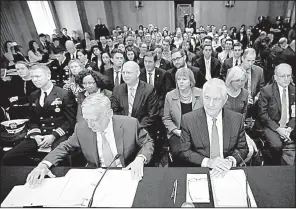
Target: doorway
<point>183,10</point>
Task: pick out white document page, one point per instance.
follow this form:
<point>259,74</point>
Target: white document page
<point>230,190</point>
<point>197,188</point>
<point>79,188</point>
<point>46,193</point>
<point>117,189</point>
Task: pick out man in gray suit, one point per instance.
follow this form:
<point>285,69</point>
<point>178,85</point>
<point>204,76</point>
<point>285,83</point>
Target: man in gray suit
<point>212,136</point>
<point>101,136</point>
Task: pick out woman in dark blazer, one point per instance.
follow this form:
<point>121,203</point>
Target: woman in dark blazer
<point>242,37</point>
<point>93,83</point>
<point>185,98</point>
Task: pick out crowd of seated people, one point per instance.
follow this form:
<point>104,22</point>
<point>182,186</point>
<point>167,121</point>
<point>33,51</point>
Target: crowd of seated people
<point>191,91</point>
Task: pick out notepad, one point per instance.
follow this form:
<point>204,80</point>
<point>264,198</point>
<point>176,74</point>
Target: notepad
<point>230,190</point>
<point>197,188</point>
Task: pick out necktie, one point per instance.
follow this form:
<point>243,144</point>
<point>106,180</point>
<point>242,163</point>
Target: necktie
<point>117,78</point>
<point>283,119</point>
<point>107,152</point>
<point>43,102</point>
<point>227,56</point>
<point>25,87</point>
<point>215,147</point>
<point>236,63</point>
<point>131,101</point>
<point>150,78</point>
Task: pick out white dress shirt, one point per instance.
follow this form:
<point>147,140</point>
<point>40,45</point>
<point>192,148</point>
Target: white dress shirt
<point>219,125</point>
<point>41,100</point>
<point>152,76</point>
<point>109,133</point>
<point>208,68</point>
<point>287,96</point>
<point>130,107</point>
<point>119,75</point>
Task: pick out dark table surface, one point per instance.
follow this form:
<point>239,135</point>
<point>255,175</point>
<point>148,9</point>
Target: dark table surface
<point>272,186</point>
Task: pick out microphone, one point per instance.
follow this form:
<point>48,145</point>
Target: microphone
<point>92,196</point>
<point>247,191</point>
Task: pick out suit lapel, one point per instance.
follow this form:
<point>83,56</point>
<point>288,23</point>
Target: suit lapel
<point>125,99</point>
<point>226,123</point>
<point>138,97</point>
<point>203,128</point>
<point>118,135</point>
<point>276,95</point>
<point>143,76</point>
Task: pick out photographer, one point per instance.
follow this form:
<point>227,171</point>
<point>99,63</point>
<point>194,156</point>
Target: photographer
<point>13,54</point>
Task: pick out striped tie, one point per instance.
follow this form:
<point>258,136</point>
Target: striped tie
<point>131,99</point>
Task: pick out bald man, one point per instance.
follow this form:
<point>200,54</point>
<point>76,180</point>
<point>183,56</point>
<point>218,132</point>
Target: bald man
<point>136,98</point>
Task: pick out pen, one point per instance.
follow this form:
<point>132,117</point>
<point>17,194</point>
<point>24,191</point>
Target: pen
<point>175,192</point>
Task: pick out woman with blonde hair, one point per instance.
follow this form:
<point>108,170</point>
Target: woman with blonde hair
<point>238,99</point>
<point>185,98</point>
<point>237,95</point>
<point>75,66</point>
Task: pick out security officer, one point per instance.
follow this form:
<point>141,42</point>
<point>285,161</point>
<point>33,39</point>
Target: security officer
<point>52,118</point>
<point>278,28</point>
<point>258,28</point>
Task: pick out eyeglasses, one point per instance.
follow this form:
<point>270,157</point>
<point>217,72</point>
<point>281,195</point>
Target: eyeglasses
<point>88,83</point>
<point>177,58</point>
<point>285,76</point>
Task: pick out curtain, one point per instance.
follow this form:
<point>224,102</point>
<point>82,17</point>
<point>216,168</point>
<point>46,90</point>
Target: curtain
<point>6,30</point>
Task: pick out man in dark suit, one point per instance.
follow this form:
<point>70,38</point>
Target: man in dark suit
<point>236,60</point>
<point>209,66</point>
<point>160,62</point>
<point>71,50</point>
<point>212,136</point>
<point>155,77</point>
<point>136,98</point>
<point>276,114</point>
<point>101,136</point>
<point>179,61</point>
<point>255,78</point>
<point>52,118</point>
<point>130,41</point>
<point>114,75</point>
<point>44,45</point>
<point>56,47</point>
<point>64,37</point>
<point>199,51</point>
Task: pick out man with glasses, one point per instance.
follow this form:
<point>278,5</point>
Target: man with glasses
<point>276,115</point>
<point>255,78</point>
<point>236,60</point>
<point>179,61</point>
<point>136,98</point>
<point>101,136</point>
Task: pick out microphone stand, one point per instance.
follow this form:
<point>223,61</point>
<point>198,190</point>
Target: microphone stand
<point>247,191</point>
<point>92,196</point>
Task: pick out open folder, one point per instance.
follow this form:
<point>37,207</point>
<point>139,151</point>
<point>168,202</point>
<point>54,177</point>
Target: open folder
<point>117,189</point>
